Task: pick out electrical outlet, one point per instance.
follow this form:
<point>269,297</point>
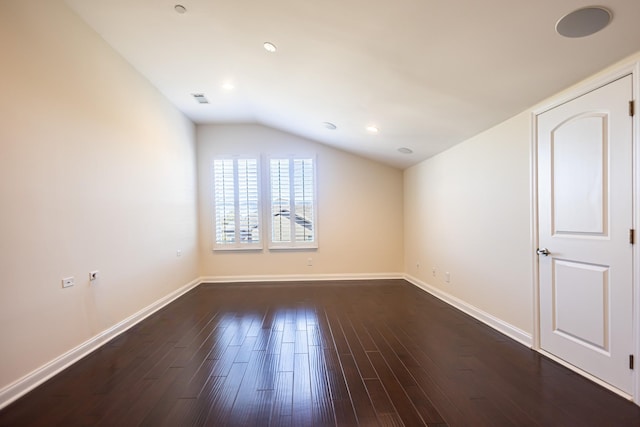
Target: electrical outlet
<point>179,252</point>
<point>94,275</point>
<point>309,262</point>
<point>447,277</point>
<point>67,282</point>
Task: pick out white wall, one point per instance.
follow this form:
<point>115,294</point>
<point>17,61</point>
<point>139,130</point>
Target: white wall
<point>97,173</point>
<point>359,209</point>
<point>467,213</point>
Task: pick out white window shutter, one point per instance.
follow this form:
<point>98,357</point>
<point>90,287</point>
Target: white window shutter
<point>248,201</point>
<point>280,200</point>
<point>293,204</point>
<point>224,195</point>
<point>236,204</point>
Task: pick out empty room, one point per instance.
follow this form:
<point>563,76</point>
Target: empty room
<point>292,213</point>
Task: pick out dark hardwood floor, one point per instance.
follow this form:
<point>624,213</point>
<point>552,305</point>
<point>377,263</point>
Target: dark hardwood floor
<point>380,353</point>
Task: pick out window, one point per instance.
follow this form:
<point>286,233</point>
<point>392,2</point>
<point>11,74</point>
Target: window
<point>236,204</point>
<point>291,206</point>
<point>293,203</point>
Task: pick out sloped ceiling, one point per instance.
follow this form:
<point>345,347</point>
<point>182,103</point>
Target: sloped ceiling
<point>428,73</point>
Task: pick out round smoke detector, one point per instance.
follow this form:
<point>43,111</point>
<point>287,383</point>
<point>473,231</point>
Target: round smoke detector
<point>583,22</point>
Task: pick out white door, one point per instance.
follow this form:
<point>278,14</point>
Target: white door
<point>584,222</point>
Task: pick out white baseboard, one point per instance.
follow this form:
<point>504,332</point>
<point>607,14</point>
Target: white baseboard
<point>300,277</point>
<point>30,381</point>
<point>499,325</point>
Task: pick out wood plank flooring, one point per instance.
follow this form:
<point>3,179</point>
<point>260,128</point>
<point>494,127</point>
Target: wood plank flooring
<point>377,353</point>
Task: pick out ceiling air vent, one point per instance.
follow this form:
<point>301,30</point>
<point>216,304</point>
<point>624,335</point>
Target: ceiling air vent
<point>200,98</point>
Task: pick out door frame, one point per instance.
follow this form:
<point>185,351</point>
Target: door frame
<point>602,79</point>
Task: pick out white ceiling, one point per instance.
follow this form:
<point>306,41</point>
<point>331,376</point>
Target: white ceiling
<point>428,73</point>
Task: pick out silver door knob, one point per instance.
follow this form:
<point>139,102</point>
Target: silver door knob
<point>543,251</point>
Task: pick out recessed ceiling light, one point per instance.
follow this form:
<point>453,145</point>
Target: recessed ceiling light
<point>583,22</point>
<point>180,9</point>
<point>329,125</point>
<point>405,150</point>
<point>269,47</point>
<point>372,129</point>
<point>228,86</point>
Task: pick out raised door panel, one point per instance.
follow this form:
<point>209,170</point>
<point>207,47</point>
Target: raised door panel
<point>579,168</point>
<point>581,303</point>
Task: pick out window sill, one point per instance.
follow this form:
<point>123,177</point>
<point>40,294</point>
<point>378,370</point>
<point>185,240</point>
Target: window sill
<point>294,248</point>
<point>238,249</point>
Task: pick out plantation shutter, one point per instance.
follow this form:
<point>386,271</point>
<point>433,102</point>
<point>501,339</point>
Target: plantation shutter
<point>292,202</point>
<point>237,203</point>
<point>304,199</point>
<point>280,201</point>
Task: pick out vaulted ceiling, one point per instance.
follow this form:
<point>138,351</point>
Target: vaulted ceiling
<point>427,73</point>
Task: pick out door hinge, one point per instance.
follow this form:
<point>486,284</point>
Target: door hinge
<point>631,361</point>
<point>632,236</point>
<point>632,108</point>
